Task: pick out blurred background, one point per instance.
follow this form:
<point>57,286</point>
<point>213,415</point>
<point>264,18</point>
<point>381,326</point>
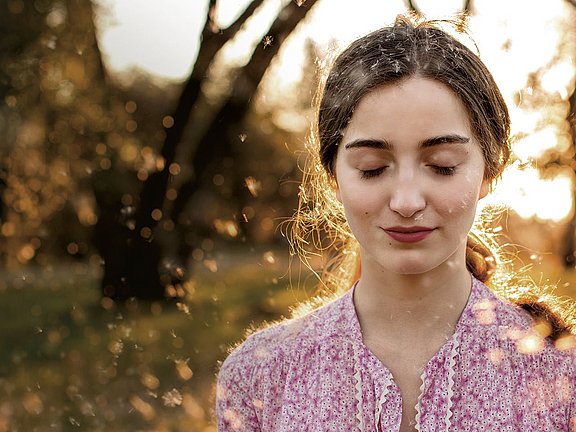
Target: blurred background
<point>149,152</point>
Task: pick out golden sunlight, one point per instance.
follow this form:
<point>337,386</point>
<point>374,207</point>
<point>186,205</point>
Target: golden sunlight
<point>525,191</point>
<point>557,78</point>
<point>517,40</point>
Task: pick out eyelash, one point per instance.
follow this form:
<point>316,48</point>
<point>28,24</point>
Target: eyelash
<point>368,174</point>
<point>442,170</point>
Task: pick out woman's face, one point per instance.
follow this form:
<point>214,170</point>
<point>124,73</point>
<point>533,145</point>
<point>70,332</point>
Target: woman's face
<point>409,174</point>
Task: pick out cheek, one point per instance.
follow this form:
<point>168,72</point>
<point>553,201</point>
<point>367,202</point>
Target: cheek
<point>459,199</point>
<point>359,198</point>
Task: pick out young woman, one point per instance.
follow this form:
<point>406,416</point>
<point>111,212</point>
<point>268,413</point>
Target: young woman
<point>412,132</point>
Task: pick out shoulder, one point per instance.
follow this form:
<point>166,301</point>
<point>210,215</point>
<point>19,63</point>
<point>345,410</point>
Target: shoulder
<point>492,310</point>
<point>514,328</point>
<point>281,342</point>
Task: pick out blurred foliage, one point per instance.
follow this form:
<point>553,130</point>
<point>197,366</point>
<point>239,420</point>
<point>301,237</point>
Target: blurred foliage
<point>76,143</point>
<point>61,126</point>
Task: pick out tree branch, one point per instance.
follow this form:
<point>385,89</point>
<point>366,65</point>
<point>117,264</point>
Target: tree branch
<point>466,9</point>
<point>209,23</point>
<point>233,28</point>
<point>412,7</point>
<point>216,141</point>
<point>154,188</point>
<point>213,40</point>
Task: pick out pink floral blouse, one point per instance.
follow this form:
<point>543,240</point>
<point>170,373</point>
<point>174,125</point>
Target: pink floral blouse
<point>315,374</point>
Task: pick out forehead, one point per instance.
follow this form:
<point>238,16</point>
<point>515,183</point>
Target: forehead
<point>413,109</point>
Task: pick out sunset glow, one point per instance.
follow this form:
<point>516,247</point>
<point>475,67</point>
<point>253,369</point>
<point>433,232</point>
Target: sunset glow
<point>514,38</point>
<point>528,194</point>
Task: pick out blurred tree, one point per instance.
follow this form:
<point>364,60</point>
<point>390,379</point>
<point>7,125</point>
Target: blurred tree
<point>133,258</point>
<point>558,111</point>
<point>54,108</point>
<point>569,246</point>
<point>569,243</point>
<point>74,158</point>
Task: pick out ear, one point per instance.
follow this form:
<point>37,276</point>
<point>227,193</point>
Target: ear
<point>485,188</point>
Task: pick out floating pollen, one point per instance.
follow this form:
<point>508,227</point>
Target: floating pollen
<point>267,41</point>
<point>211,265</point>
<point>253,185</point>
<point>183,370</point>
<point>226,227</point>
<point>530,344</point>
<point>269,257</point>
<point>496,355</point>
<point>172,398</point>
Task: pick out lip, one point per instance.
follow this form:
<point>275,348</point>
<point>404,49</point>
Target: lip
<point>410,234</point>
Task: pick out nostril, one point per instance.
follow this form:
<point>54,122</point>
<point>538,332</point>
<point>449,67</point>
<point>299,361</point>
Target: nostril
<point>407,205</point>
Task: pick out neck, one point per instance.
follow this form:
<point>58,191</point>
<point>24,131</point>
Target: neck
<point>408,303</point>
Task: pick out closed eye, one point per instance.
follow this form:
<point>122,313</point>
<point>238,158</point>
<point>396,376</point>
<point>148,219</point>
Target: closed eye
<point>443,170</point>
<point>368,174</point>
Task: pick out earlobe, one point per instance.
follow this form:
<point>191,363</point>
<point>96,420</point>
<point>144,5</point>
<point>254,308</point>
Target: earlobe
<point>336,188</point>
<point>337,192</point>
<point>485,188</point>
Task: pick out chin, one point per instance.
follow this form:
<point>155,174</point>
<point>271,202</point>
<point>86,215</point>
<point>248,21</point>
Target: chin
<point>418,265</point>
<point>409,267</point>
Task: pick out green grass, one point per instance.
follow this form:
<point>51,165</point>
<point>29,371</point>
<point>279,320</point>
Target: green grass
<point>68,364</point>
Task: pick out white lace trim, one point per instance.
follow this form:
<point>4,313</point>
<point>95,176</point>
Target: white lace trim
<point>358,377</point>
<point>383,396</point>
<point>422,387</point>
<point>451,364</point>
<point>381,403</point>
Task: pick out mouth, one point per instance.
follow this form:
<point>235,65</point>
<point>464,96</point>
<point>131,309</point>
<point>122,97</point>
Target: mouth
<point>411,234</point>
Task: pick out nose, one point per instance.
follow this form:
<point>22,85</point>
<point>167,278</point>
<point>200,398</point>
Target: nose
<point>407,198</point>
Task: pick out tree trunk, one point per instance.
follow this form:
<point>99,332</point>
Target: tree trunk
<point>218,139</point>
<point>133,262</point>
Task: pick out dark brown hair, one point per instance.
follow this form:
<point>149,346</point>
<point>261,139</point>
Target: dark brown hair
<point>406,49</point>
<point>386,57</point>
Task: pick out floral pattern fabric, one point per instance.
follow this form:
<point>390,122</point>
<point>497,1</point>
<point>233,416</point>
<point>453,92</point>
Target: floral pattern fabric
<point>315,374</point>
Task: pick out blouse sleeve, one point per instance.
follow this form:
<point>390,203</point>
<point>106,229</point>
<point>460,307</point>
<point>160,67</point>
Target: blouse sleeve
<point>235,398</point>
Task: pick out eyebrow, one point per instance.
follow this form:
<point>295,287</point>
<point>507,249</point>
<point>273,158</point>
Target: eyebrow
<point>369,143</point>
<point>428,142</point>
<point>444,139</point>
